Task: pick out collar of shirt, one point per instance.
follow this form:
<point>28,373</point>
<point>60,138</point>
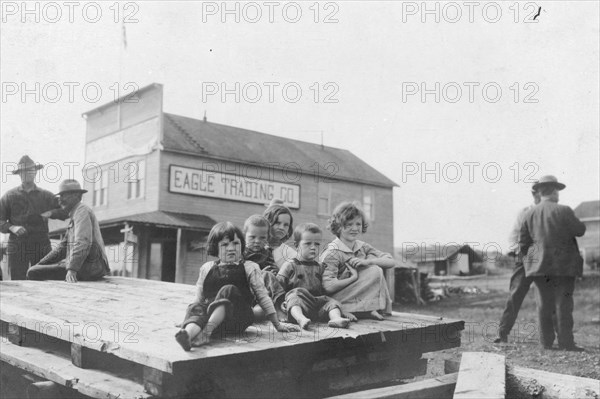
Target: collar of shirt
<point>35,188</point>
<point>339,244</point>
<point>74,209</point>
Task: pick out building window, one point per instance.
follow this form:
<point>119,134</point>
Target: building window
<point>369,203</point>
<point>323,198</point>
<point>101,189</point>
<point>136,179</point>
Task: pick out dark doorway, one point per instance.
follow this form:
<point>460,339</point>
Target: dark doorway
<point>169,257</point>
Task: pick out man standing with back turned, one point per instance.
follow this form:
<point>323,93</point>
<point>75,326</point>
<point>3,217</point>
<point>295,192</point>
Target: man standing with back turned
<point>519,283</point>
<point>551,257</point>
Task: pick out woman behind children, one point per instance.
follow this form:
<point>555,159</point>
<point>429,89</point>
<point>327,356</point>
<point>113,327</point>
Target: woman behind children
<point>353,273</point>
<point>302,276</point>
<point>281,221</point>
<point>225,291</point>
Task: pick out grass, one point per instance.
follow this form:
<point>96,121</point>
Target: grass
<point>482,312</point>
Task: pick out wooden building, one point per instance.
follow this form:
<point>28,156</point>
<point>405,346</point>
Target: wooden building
<point>589,213</point>
<point>449,259</point>
<point>158,182</point>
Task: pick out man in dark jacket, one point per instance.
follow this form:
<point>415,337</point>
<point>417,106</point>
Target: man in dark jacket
<point>81,254</point>
<point>551,257</point>
<point>24,213</point>
<point>519,284</point>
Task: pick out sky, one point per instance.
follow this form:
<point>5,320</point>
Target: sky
<point>461,104</point>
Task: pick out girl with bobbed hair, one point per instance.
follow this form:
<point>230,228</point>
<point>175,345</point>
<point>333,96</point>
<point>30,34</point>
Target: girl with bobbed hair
<point>353,274</point>
<point>282,226</point>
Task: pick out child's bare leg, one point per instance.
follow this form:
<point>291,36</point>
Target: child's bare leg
<point>259,313</point>
<point>336,320</point>
<point>214,321</point>
<point>303,321</point>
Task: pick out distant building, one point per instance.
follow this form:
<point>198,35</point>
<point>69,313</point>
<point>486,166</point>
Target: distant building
<point>158,182</point>
<point>589,213</point>
<point>450,259</point>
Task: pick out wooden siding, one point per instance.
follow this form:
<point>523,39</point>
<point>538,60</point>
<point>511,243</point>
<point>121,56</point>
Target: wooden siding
<point>380,233</point>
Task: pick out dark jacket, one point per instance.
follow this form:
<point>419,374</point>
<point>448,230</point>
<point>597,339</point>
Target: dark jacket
<point>547,241</point>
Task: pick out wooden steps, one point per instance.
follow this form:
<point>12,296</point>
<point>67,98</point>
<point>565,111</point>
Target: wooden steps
<point>56,368</point>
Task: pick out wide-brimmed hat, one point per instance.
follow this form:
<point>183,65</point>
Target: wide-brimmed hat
<point>548,180</point>
<point>70,186</point>
<point>26,163</point>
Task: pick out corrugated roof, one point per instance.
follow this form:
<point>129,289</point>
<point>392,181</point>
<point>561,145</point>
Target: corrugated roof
<point>231,143</point>
<point>186,221</point>
<point>588,209</point>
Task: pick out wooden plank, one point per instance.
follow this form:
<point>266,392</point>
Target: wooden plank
<point>439,388</point>
<point>527,382</point>
<point>481,375</point>
<point>135,320</point>
<point>51,367</point>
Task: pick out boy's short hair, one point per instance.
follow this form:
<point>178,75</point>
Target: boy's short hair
<point>304,227</point>
<point>257,221</point>
<point>342,214</point>
<point>273,212</point>
<point>220,231</point>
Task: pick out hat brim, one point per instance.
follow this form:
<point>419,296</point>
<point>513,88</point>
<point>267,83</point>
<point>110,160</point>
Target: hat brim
<point>71,191</point>
<point>559,186</point>
<point>35,167</point>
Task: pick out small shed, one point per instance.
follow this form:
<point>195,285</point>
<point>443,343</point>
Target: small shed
<point>449,259</point>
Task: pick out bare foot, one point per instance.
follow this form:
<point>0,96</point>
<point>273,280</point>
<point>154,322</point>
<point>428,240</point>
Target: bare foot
<point>304,323</point>
<point>375,315</point>
<point>339,323</point>
<point>200,339</point>
<point>183,339</point>
<point>350,316</point>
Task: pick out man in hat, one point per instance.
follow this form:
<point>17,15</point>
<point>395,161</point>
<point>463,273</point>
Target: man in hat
<point>551,258</point>
<point>24,213</point>
<point>519,283</point>
<point>81,254</point>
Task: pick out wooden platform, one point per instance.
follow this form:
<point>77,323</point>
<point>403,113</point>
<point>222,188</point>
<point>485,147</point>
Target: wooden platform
<point>130,323</point>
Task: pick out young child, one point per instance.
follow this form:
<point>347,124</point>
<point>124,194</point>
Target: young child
<point>281,221</point>
<point>305,299</point>
<point>226,288</point>
<point>257,233</point>
<point>353,273</point>
<point>256,230</point>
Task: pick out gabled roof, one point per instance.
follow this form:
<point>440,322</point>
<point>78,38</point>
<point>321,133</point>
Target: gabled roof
<point>246,146</point>
<point>439,252</point>
<point>588,209</point>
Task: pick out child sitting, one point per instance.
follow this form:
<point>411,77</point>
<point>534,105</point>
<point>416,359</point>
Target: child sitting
<point>353,273</point>
<point>281,222</point>
<point>256,230</point>
<point>226,288</point>
<point>302,276</point>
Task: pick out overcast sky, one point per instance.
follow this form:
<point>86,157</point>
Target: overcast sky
<point>507,96</point>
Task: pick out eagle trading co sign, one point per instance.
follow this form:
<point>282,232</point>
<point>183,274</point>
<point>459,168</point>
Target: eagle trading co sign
<point>231,187</point>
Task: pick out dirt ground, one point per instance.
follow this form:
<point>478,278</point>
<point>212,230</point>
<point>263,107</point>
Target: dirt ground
<point>481,313</point>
